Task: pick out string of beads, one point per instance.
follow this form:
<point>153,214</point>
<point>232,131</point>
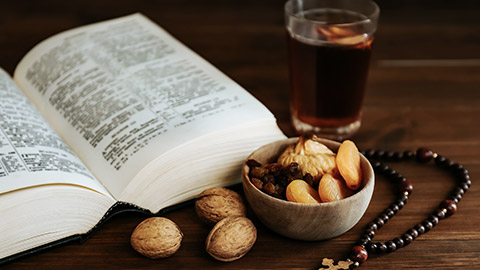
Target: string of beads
<point>446,208</point>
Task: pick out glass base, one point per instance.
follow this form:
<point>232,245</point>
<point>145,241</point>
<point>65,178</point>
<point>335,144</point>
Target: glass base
<point>333,133</point>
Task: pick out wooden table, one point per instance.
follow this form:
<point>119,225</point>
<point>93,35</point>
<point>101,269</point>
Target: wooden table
<point>423,90</point>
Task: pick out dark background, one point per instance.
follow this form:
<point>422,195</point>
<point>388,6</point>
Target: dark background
<point>431,101</point>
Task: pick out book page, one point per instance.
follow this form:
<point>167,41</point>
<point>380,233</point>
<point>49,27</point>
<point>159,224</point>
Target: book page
<point>31,153</point>
<point>124,91</point>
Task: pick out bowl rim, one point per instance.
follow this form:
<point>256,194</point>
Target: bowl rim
<point>370,181</point>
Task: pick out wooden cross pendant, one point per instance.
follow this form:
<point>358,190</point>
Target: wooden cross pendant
<point>340,265</point>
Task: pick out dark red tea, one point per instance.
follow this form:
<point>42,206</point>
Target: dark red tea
<point>327,81</point>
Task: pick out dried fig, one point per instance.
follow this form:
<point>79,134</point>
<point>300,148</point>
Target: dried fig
<point>312,157</point>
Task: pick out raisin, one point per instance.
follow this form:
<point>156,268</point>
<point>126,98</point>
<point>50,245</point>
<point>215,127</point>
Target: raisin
<point>258,172</point>
<point>269,188</point>
<point>257,183</point>
<point>268,178</point>
<point>253,163</point>
<point>274,168</point>
<point>309,179</point>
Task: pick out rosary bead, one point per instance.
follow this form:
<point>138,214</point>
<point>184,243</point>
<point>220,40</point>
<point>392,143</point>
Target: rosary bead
<point>376,165</point>
<point>427,225</point>
<point>389,212</point>
<point>408,155</point>
<point>388,155</point>
<point>399,178</point>
<point>364,240</point>
<point>359,254</point>
<point>354,265</point>
<point>403,198</point>
<point>391,173</point>
<point>372,226</point>
<point>384,217</point>
<point>448,163</point>
<point>378,154</point>
<point>394,208</point>
<point>464,179</point>
<point>372,247</point>
<point>400,204</point>
<point>424,155</point>
<point>420,229</point>
<point>462,173</point>
<point>397,156</point>
<point>456,166</point>
<point>383,169</point>
<point>370,233</point>
<point>440,213</point>
<point>459,191</point>
<point>413,233</point>
<point>381,247</point>
<point>434,220</point>
<point>379,222</point>
<point>439,160</point>
<point>370,153</point>
<point>456,198</point>
<point>444,162</point>
<point>398,242</point>
<point>407,239</point>
<point>451,207</point>
<point>406,186</point>
<point>391,247</point>
<point>457,195</point>
<point>465,185</point>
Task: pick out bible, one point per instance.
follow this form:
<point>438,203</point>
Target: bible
<point>111,117</point>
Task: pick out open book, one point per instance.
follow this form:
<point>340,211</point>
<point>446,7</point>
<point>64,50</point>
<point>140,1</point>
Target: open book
<point>110,116</point>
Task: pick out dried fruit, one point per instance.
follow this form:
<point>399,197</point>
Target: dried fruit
<point>342,35</point>
<point>214,204</point>
<point>317,160</point>
<point>348,164</point>
<point>332,188</point>
<point>156,237</point>
<point>313,157</point>
<point>300,191</point>
<point>231,238</point>
<point>273,178</point>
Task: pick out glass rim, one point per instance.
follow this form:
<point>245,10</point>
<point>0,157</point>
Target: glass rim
<point>370,16</point>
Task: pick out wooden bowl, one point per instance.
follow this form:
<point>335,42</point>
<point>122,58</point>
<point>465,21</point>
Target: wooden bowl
<point>306,221</point>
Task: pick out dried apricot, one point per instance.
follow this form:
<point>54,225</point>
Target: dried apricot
<point>348,164</point>
<point>300,191</point>
<point>332,188</point>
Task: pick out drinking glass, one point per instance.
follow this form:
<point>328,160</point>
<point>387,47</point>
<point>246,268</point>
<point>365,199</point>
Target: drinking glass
<point>329,47</point>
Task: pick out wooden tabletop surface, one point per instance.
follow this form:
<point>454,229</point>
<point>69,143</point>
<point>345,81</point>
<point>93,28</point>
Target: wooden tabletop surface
<point>423,90</point>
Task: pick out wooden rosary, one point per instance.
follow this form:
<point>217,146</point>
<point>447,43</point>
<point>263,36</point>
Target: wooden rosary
<point>448,207</point>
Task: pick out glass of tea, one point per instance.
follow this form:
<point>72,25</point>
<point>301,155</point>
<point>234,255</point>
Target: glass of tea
<point>329,47</point>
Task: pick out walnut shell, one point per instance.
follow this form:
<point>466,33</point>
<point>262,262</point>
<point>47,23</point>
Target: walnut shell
<point>231,238</point>
<point>215,204</point>
<point>156,237</point>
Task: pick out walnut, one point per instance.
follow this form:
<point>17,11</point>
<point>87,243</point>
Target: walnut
<point>231,238</point>
<point>312,157</point>
<point>214,204</point>
<point>156,237</point>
